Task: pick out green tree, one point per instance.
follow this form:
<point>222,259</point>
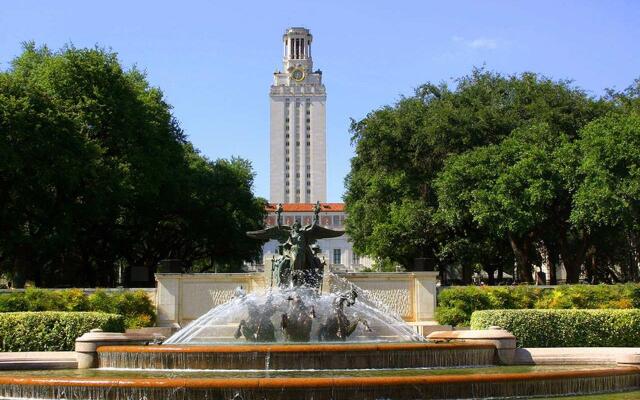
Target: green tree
<point>514,189</point>
<point>95,172</point>
<point>608,193</point>
<point>400,150</point>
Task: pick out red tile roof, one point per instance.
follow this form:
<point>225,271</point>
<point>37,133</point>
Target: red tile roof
<point>306,207</point>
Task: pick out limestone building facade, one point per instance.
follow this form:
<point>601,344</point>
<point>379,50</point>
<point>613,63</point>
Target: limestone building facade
<point>298,125</point>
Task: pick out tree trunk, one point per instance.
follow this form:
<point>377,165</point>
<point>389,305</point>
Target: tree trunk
<point>521,249</point>
<point>491,269</point>
<point>20,267</point>
<point>554,261</point>
<point>467,273</point>
<point>573,256</point>
<point>634,259</point>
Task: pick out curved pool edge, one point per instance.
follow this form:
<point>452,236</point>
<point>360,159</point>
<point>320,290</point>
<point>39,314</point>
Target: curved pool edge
<point>477,385</point>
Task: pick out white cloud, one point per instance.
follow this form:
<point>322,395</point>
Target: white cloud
<point>477,43</point>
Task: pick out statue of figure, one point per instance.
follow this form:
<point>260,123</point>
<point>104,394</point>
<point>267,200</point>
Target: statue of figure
<point>337,326</point>
<point>258,326</point>
<point>279,210</point>
<point>280,268</point>
<point>316,213</point>
<point>303,264</point>
<point>296,323</point>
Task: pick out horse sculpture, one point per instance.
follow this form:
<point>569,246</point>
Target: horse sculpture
<point>337,326</point>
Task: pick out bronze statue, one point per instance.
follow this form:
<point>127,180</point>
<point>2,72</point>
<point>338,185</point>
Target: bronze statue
<point>298,265</point>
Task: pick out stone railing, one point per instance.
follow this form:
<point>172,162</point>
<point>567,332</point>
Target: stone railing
<point>181,298</point>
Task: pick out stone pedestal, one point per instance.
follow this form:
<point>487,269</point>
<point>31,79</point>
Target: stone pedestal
<point>87,344</point>
<point>503,340</point>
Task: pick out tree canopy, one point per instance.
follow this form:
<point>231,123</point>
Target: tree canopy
<point>461,175</point>
<point>95,173</point>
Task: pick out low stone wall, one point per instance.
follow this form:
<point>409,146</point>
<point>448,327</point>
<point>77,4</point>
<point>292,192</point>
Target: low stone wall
<point>181,298</point>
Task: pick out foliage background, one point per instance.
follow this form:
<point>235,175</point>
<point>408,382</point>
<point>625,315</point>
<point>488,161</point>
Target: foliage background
<point>457,304</point>
<point>565,328</point>
<point>501,173</point>
<point>135,307</point>
<point>52,330</point>
<point>96,176</point>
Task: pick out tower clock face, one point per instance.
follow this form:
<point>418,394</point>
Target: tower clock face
<point>297,74</point>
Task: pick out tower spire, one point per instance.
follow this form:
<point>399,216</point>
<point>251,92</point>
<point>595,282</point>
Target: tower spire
<point>298,144</point>
<point>297,49</point>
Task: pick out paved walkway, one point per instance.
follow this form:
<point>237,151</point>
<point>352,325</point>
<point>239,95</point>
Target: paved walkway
<point>38,360</point>
<point>573,355</point>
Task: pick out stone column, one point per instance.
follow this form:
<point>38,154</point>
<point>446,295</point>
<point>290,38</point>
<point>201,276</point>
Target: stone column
<point>425,293</point>
<point>168,288</point>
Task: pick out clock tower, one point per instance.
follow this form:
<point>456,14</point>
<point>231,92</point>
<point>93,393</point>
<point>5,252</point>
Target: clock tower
<point>298,118</point>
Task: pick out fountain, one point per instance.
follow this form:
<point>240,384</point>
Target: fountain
<point>310,336</point>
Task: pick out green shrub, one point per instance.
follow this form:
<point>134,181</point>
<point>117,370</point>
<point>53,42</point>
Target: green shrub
<point>51,330</point>
<point>12,302</point>
<point>635,297</point>
<point>467,299</point>
<point>565,328</point>
<point>135,307</point>
<point>455,306</point>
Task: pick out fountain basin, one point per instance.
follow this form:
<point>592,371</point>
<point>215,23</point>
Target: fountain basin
<point>410,384</point>
<point>298,356</point>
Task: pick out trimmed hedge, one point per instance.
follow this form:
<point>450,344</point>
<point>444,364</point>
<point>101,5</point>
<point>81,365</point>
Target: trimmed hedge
<point>51,330</point>
<point>134,306</point>
<point>565,328</point>
<point>456,304</point>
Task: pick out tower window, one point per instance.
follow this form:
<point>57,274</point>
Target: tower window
<point>286,119</point>
<point>286,127</point>
<point>308,175</point>
<point>308,183</point>
<point>308,112</point>
<point>287,159</point>
<point>287,143</point>
<point>297,143</point>
<point>308,127</point>
<point>286,136</point>
<point>308,191</point>
<point>308,136</point>
<point>308,120</point>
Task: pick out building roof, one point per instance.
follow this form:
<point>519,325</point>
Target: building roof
<point>306,207</point>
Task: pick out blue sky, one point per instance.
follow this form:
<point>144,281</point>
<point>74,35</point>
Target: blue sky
<point>214,60</point>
